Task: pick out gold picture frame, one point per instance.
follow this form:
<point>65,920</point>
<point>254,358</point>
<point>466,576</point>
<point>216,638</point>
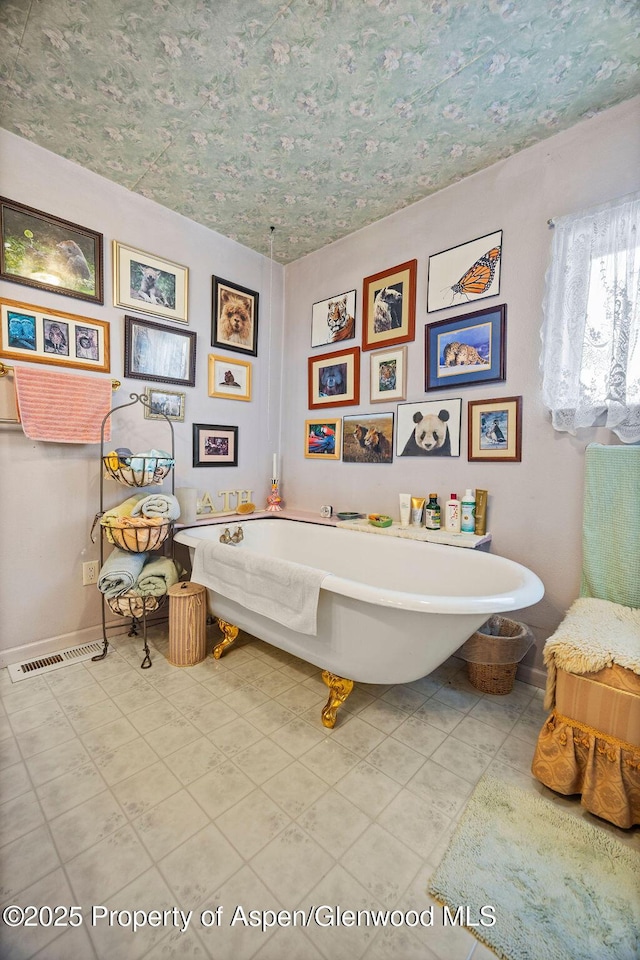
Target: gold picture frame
<point>229,379</point>
<point>39,335</point>
<point>322,438</point>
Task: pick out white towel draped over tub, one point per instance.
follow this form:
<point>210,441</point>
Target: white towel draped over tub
<point>278,589</point>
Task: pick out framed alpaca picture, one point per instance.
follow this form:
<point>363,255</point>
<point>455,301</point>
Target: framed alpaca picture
<point>495,429</point>
<point>234,317</point>
<point>40,250</point>
<point>368,438</point>
<point>229,379</point>
<point>148,284</point>
<point>429,428</point>
<point>464,273</point>
<point>389,375</point>
<point>465,350</point>
<point>334,320</point>
<point>334,379</point>
<point>322,439</point>
<point>389,306</point>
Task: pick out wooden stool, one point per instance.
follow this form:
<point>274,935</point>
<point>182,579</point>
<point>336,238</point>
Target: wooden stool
<point>187,624</point>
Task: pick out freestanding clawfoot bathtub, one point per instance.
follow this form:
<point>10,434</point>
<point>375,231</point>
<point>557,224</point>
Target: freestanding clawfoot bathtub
<point>389,610</point>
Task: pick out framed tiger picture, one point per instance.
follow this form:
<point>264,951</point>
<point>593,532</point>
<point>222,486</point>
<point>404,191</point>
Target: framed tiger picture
<point>470,271</point>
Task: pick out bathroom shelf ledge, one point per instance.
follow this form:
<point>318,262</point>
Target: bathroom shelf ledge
<point>469,540</point>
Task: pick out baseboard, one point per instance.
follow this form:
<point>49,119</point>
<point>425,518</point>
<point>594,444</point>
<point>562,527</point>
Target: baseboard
<point>44,648</point>
<point>536,676</point>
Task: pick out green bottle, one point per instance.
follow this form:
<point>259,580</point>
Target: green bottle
<point>432,513</point>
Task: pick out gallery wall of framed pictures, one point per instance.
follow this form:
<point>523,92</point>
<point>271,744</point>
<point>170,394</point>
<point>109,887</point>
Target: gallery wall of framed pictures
<point>464,350</point>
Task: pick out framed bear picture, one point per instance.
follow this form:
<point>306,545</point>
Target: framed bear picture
<point>429,428</point>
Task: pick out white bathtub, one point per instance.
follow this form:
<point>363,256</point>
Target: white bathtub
<point>391,610</point>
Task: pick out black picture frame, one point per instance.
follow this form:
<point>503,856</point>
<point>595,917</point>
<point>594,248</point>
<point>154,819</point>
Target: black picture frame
<point>153,351</point>
<point>215,445</point>
<point>234,312</point>
<point>464,350</point>
<point>43,251</point>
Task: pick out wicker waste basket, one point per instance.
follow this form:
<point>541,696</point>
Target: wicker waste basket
<point>493,653</point>
<point>187,624</point>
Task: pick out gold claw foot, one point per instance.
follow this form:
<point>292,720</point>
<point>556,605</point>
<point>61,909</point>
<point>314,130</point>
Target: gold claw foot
<point>339,690</point>
<point>230,633</point>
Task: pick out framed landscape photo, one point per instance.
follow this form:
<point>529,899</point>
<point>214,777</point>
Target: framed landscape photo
<point>147,284</point>
<point>464,273</point>
<point>234,317</point>
<point>389,375</point>
<point>163,403</point>
<point>334,320</point>
<point>40,250</point>
<point>389,306</point>
<point>229,379</point>
<point>322,439</point>
<point>334,379</point>
<point>214,446</point>
<point>429,428</point>
<point>368,438</point>
<point>466,350</point>
<point>155,352</point>
<point>50,336</point>
<point>495,429</point>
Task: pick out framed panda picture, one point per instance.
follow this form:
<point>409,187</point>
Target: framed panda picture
<point>429,428</point>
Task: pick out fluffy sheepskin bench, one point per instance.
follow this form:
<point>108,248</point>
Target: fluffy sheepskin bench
<point>590,743</point>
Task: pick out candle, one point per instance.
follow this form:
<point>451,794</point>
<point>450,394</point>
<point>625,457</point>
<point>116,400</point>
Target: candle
<point>274,475</point>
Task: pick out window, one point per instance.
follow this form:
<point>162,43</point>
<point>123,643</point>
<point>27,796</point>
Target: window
<point>591,330</point>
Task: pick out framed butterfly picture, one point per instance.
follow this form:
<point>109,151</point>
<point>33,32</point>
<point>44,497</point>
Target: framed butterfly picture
<point>465,273</point>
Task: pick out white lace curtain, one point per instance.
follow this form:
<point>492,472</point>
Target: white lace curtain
<point>590,357</point>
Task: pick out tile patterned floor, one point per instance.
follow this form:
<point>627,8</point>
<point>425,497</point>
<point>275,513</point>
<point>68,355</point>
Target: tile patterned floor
<point>185,789</point>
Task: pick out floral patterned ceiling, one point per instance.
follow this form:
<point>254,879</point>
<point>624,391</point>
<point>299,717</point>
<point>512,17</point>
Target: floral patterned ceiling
<point>315,116</point>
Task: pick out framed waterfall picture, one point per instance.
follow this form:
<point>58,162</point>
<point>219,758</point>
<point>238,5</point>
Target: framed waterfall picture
<point>467,349</point>
<point>153,351</point>
<point>467,272</point>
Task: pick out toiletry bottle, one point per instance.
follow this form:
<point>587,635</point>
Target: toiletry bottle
<point>481,512</point>
<point>417,506</point>
<point>452,514</point>
<point>468,512</point>
<point>405,509</point>
<point>432,513</point>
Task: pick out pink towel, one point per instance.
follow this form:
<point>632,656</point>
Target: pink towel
<point>61,407</point>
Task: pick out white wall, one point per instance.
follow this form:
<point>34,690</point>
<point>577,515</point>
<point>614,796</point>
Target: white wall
<point>534,506</point>
<point>49,491</point>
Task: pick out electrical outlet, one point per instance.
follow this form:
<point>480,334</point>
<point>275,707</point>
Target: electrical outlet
<point>90,572</point>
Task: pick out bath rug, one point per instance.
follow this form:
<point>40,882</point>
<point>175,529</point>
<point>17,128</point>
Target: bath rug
<point>560,887</point>
<point>61,407</point>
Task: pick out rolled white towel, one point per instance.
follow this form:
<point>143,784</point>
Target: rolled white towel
<point>163,505</point>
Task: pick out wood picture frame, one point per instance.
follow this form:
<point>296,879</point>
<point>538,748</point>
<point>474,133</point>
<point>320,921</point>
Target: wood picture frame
<point>322,439</point>
<point>215,445</point>
<point>234,324</point>
<point>334,379</point>
<point>495,430</point>
<point>153,351</point>
<point>388,380</point>
<point>38,335</point>
<point>47,252</point>
<point>229,379</point>
<point>389,306</point>
<point>334,320</point>
<point>466,272</point>
<point>465,350</point>
<point>149,284</point>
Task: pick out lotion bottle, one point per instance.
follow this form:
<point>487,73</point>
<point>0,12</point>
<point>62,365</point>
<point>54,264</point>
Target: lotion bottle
<point>452,514</point>
<point>468,512</point>
<point>405,509</point>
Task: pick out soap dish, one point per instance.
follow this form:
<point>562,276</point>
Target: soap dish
<point>347,515</point>
<point>380,520</point>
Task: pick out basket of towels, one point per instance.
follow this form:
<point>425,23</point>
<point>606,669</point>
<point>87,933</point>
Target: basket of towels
<point>142,522</point>
<point>137,469</point>
<point>134,583</point>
